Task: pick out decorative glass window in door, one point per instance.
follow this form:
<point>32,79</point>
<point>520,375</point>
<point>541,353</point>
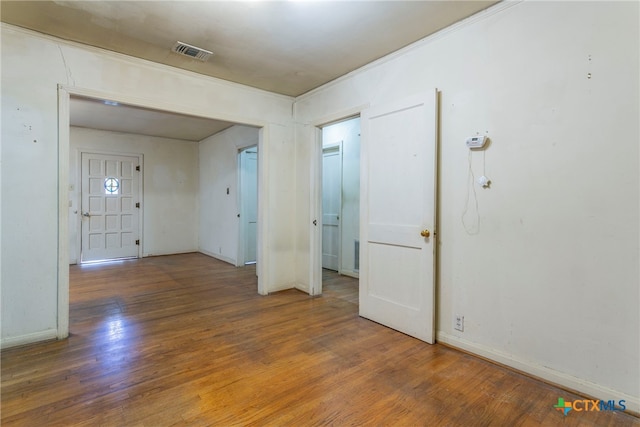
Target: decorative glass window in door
<point>111,185</point>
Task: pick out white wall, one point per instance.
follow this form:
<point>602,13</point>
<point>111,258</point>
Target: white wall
<point>170,182</point>
<point>277,190</point>
<point>32,67</point>
<point>307,170</point>
<point>549,281</point>
<point>219,222</point>
<point>348,132</point>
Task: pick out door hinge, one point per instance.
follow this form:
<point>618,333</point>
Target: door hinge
<point>138,205</point>
<point>138,242</point>
<point>138,168</point>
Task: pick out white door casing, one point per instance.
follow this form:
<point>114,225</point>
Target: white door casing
<point>110,219</point>
<point>331,205</point>
<point>398,165</point>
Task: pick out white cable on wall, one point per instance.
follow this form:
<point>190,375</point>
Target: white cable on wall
<point>471,225</point>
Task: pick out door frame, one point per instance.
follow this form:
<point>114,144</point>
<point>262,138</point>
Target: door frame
<point>65,93</point>
<point>315,237</point>
<point>83,150</point>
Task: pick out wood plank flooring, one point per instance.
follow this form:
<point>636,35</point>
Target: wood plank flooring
<point>185,340</point>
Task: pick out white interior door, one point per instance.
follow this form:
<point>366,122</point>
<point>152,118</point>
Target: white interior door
<point>397,205</point>
<point>110,218</point>
<point>249,204</point>
<point>331,202</point>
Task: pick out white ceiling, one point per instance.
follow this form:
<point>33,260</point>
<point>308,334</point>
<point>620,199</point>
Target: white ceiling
<point>96,114</point>
<point>287,47</point>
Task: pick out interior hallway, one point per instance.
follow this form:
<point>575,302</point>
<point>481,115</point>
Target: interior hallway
<point>186,340</point>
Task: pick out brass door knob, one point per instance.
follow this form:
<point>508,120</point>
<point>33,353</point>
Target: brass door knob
<point>425,233</point>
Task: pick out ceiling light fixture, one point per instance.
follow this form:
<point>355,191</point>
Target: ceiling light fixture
<point>191,51</point>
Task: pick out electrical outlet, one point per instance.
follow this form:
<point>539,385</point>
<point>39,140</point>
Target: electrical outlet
<point>458,322</point>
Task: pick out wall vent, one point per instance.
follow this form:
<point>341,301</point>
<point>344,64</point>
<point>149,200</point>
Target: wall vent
<point>191,51</point>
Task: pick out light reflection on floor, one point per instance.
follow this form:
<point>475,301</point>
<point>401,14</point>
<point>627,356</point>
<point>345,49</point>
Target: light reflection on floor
<point>116,348</point>
<point>102,262</point>
<point>115,329</point>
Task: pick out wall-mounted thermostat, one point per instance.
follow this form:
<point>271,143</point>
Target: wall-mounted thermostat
<point>476,141</point>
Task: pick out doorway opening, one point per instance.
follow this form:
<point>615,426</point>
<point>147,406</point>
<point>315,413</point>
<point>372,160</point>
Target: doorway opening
<point>341,208</point>
<point>77,118</point>
<point>248,203</point>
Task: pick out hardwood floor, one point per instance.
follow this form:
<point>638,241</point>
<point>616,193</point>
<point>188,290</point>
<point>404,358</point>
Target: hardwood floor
<point>341,287</point>
<point>185,340</point>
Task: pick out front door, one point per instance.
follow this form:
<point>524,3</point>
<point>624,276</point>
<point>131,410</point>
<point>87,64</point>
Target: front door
<point>331,202</point>
<point>110,216</point>
<point>398,215</point>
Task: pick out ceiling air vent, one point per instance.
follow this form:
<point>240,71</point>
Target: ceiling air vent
<point>191,51</point>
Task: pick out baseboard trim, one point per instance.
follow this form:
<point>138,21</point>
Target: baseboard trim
<point>152,254</point>
<point>303,288</point>
<point>48,335</point>
<point>354,274</point>
<point>218,256</point>
<point>284,287</point>
<point>560,379</point>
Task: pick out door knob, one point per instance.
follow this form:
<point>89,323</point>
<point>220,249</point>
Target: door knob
<point>425,233</point>
<point>86,214</point>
